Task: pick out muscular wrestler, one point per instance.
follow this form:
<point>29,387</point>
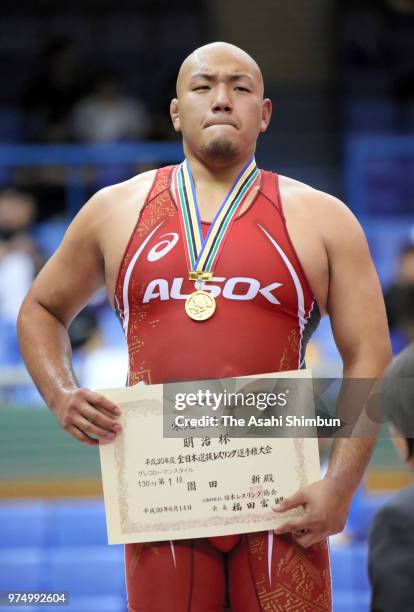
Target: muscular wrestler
<point>291,255</point>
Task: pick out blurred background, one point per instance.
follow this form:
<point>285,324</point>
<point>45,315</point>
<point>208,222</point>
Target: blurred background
<point>83,104</point>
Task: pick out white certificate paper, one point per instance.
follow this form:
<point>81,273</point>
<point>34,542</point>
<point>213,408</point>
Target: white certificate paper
<point>159,488</point>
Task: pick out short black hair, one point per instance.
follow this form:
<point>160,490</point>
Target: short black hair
<point>406,313</point>
<point>407,249</point>
<point>397,396</point>
<point>410,445</point>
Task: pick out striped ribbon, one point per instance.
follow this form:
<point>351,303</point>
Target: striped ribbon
<point>201,253</point>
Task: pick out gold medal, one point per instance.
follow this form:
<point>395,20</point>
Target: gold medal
<point>200,305</point>
<point>202,253</point>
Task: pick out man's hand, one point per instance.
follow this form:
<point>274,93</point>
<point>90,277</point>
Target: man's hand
<point>88,416</point>
<point>326,511</point>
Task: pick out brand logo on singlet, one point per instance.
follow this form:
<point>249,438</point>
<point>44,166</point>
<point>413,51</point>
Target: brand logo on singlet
<point>240,288</point>
<point>162,248</point>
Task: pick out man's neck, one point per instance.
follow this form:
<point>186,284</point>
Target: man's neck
<point>219,175</point>
<point>214,183</point>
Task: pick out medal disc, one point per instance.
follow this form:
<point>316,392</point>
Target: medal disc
<point>200,305</point>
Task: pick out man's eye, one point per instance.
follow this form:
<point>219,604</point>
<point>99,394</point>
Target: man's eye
<point>240,88</point>
<point>201,87</point>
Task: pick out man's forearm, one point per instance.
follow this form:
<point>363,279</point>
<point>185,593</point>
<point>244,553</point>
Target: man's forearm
<point>352,452</point>
<point>349,458</point>
<point>46,350</point>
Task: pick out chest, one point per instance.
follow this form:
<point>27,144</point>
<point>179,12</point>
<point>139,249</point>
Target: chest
<point>250,252</point>
<point>256,264</point>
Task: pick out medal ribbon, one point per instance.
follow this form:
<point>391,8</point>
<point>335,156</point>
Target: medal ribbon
<point>202,254</point>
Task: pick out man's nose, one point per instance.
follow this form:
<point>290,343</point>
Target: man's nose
<point>222,100</point>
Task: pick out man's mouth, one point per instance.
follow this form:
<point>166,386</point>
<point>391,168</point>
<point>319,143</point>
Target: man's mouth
<point>211,123</point>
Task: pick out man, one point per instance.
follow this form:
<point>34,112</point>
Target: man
<point>396,295</point>
<point>276,271</point>
<point>391,541</point>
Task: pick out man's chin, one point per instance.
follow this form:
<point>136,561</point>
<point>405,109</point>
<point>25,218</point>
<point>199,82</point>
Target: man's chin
<point>220,149</point>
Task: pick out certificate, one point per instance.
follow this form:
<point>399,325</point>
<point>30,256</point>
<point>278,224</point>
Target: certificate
<point>158,487</point>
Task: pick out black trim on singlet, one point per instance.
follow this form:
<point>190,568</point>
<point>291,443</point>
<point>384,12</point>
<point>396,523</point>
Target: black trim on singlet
<point>312,322</point>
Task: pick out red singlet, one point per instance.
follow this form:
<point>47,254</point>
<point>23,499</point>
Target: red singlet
<point>265,307</point>
<point>264,317</point>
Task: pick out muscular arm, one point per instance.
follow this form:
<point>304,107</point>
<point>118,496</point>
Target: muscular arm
<point>357,314</point>
<point>63,287</point>
<point>359,325</point>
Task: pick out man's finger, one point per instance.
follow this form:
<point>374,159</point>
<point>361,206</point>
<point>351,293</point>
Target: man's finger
<point>307,539</point>
<point>91,430</point>
<point>100,419</point>
<point>99,401</point>
<point>292,526</point>
<point>295,500</point>
<point>79,435</point>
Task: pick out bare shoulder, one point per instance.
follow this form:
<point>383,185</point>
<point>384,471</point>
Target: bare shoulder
<point>137,185</point>
<point>327,214</point>
<point>303,195</point>
<point>115,198</point>
<point>110,208</point>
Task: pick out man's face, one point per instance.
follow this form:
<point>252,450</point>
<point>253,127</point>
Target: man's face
<point>219,107</point>
<point>407,269</point>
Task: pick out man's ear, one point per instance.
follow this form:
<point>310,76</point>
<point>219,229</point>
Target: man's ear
<point>400,443</point>
<point>175,116</point>
<point>266,114</point>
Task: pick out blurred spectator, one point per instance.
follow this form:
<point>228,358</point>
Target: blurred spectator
<point>83,332</point>
<point>109,115</point>
<point>399,297</point>
<point>98,363</point>
<point>59,83</point>
<point>19,257</point>
<point>391,541</point>
<point>405,314</point>
<point>17,213</point>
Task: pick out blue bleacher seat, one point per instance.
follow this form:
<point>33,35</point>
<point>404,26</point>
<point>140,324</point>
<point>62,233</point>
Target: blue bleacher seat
<point>49,234</point>
<point>341,569</point>
<point>23,524</point>
<point>363,508</point>
<point>385,241</point>
<point>21,569</point>
<point>86,571</point>
<point>385,187</point>
<point>9,348</point>
<point>110,328</point>
<point>349,568</point>
<point>360,567</point>
<point>350,601</point>
<point>368,114</point>
<point>56,524</point>
<point>77,523</point>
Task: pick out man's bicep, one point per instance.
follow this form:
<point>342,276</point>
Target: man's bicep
<point>355,301</point>
<point>74,273</point>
